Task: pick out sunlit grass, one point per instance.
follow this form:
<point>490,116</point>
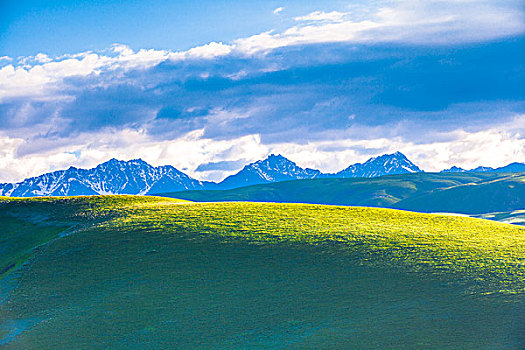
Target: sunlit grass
<point>489,252</point>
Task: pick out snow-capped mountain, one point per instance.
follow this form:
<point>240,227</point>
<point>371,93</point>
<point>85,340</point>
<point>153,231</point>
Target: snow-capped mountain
<point>111,177</point>
<point>454,169</point>
<point>482,169</point>
<point>138,177</point>
<point>275,168</point>
<point>387,164</point>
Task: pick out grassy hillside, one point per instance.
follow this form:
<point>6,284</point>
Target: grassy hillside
<point>469,193</point>
<point>148,272</point>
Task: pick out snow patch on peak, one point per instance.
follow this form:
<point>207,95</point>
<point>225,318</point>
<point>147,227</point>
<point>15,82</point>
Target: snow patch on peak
<point>111,177</point>
<point>386,164</point>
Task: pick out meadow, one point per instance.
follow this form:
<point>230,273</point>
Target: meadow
<point>151,272</point>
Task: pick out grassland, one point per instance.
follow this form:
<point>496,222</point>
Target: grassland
<point>150,272</point>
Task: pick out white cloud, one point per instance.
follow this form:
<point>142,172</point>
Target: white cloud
<point>207,51</point>
<point>5,59</point>
<point>413,21</point>
<point>41,80</point>
<point>128,59</point>
<point>185,153</point>
<point>42,58</point>
<point>346,31</point>
<point>322,16</point>
<point>40,76</point>
<point>278,10</point>
<point>494,147</point>
<point>402,21</point>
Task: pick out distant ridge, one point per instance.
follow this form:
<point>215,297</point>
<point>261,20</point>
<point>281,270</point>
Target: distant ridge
<point>511,168</point>
<point>454,169</point>
<point>138,177</point>
<point>466,193</point>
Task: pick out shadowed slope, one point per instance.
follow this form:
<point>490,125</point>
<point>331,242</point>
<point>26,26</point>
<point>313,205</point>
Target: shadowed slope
<point>383,191</point>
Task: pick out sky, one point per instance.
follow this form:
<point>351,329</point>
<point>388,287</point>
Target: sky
<point>209,86</point>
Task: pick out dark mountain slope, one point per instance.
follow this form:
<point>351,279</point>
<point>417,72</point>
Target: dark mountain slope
<point>383,191</point>
<point>498,195</point>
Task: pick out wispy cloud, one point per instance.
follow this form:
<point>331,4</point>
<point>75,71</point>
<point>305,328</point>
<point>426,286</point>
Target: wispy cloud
<point>322,16</point>
<point>412,21</point>
<point>5,59</point>
<point>278,10</point>
<point>212,159</point>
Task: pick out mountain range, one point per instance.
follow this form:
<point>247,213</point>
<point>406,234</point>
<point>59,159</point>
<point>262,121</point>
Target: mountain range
<point>111,177</point>
<point>138,177</point>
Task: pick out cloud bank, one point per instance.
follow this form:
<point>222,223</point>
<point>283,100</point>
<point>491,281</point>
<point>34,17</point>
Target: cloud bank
<point>442,81</point>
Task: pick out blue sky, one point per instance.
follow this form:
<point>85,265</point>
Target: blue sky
<point>211,85</point>
<point>74,26</point>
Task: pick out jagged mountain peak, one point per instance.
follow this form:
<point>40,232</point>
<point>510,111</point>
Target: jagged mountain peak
<point>117,162</point>
<point>112,161</point>
<point>137,161</point>
<point>386,164</point>
<point>512,167</point>
<point>111,177</point>
<point>274,161</point>
<point>454,169</point>
<point>277,156</point>
<point>273,168</point>
<point>138,177</point>
<point>395,155</point>
<point>482,168</point>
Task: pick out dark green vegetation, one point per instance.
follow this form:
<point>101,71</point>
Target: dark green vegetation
<point>148,272</point>
<point>467,193</point>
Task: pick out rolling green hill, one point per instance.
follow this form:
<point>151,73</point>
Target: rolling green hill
<point>467,193</point>
<point>148,272</point>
